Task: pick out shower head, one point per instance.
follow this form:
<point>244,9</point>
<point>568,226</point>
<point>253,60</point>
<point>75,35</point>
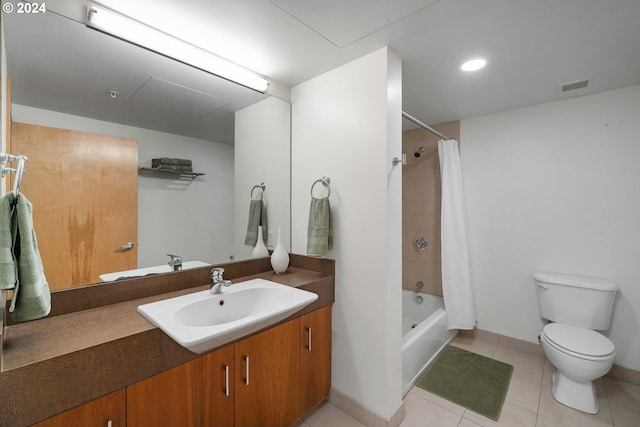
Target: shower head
<point>419,152</point>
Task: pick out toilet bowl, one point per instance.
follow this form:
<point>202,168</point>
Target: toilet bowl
<point>580,356</point>
<point>577,307</point>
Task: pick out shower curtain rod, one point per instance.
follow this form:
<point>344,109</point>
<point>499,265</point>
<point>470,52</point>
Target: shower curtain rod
<point>423,125</point>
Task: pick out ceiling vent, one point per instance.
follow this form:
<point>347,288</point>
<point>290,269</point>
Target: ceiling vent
<point>578,84</point>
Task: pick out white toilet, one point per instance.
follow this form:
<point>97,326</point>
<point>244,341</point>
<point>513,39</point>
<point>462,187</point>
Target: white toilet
<point>577,306</point>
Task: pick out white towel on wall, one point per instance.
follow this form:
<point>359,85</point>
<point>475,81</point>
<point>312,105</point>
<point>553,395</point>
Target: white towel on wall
<point>456,275</point>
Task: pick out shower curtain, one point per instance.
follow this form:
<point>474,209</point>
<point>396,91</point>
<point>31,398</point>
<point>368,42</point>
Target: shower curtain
<point>456,276</point>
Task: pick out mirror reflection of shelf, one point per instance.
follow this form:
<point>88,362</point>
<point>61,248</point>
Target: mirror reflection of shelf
<point>168,173</point>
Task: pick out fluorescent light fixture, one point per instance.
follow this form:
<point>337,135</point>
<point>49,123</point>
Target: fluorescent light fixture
<point>473,64</point>
<point>132,31</point>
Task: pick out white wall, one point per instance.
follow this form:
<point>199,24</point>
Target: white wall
<point>555,187</point>
<point>262,154</point>
<point>193,219</point>
<point>346,125</point>
<point>188,218</point>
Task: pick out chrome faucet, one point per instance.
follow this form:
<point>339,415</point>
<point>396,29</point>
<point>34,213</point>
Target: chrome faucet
<point>175,262</point>
<point>217,281</point>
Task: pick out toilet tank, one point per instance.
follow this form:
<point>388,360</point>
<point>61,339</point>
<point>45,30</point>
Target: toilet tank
<point>586,302</point>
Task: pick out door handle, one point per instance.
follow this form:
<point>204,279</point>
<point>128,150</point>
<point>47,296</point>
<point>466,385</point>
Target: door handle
<point>126,246</point>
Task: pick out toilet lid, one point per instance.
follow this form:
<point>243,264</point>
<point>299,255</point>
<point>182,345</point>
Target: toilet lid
<point>578,340</point>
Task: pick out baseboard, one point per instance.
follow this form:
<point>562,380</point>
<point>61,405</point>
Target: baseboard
<point>367,417</point>
<point>625,374</point>
<point>503,340</point>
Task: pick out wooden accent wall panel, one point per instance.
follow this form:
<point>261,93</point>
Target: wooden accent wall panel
<point>84,191</point>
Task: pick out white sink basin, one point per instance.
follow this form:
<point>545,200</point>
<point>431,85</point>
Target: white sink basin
<point>165,268</point>
<point>202,321</point>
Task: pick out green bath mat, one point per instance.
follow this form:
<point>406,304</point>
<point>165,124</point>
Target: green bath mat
<point>476,382</point>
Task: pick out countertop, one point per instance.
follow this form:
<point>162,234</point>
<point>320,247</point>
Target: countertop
<point>82,352</point>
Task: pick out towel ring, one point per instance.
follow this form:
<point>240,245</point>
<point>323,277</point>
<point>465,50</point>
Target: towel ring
<point>19,171</point>
<point>324,181</point>
<point>261,186</point>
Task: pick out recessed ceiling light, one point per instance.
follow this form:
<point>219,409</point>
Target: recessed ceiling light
<point>473,64</point>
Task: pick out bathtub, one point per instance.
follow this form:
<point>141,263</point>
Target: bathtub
<point>424,334</point>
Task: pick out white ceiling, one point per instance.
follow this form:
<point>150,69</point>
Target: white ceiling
<point>345,22</point>
<point>532,46</point>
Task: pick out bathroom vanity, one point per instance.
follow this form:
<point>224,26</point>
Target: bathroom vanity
<point>95,360</point>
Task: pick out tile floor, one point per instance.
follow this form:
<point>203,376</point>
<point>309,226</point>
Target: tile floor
<point>529,402</point>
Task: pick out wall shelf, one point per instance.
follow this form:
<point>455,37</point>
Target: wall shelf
<point>168,173</point>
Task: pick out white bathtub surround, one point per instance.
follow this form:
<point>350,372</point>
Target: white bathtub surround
<point>456,277</point>
<point>424,334</point>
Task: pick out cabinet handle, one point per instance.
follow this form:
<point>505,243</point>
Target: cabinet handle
<point>308,328</point>
<point>125,247</point>
<point>109,423</point>
<point>246,369</point>
<point>226,379</point>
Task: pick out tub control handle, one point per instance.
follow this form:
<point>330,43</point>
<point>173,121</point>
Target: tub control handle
<point>226,379</point>
<point>420,244</point>
<point>543,286</point>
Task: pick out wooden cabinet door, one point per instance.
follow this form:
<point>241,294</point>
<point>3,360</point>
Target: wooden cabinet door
<point>108,411</point>
<point>316,357</point>
<point>167,399</point>
<point>218,377</point>
<point>268,377</point>
<point>84,191</point>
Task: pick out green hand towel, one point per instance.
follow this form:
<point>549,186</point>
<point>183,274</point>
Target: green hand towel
<point>31,297</point>
<point>177,168</point>
<point>319,231</point>
<point>170,161</point>
<point>7,263</point>
<point>257,216</point>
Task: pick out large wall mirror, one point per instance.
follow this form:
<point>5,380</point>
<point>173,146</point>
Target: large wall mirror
<point>64,75</point>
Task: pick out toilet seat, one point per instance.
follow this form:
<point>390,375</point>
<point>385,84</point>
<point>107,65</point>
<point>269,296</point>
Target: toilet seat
<point>578,342</point>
